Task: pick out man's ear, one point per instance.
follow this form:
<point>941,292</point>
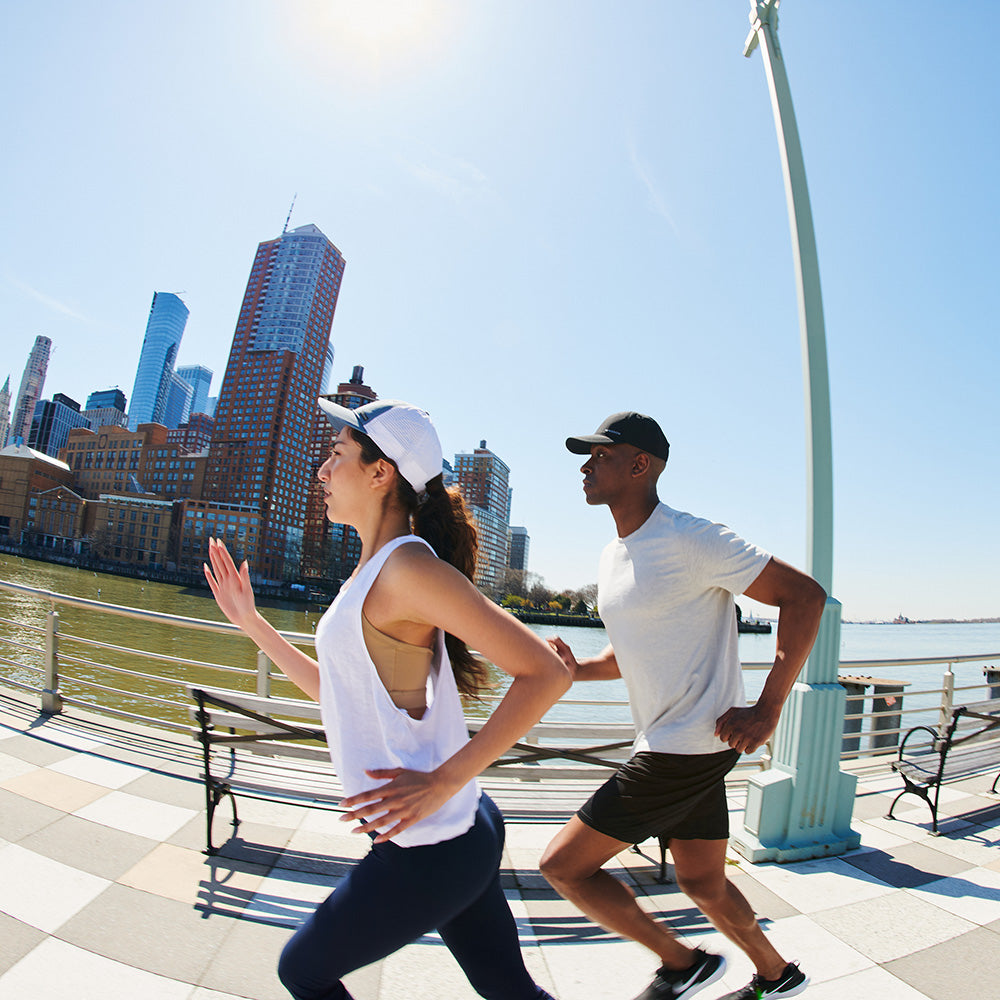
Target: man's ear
<point>640,464</point>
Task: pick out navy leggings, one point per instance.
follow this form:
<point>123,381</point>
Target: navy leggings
<point>396,894</point>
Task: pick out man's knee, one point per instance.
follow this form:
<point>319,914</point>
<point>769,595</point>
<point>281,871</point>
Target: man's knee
<point>559,867</point>
<point>703,887</point>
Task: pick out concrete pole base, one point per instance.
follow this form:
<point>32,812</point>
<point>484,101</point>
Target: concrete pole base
<point>770,833</point>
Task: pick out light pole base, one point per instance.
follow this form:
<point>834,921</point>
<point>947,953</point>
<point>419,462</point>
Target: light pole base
<point>770,833</point>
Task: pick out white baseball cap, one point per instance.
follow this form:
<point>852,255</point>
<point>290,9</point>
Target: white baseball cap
<point>403,432</point>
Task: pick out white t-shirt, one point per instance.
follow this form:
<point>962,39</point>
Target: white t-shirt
<point>665,594</point>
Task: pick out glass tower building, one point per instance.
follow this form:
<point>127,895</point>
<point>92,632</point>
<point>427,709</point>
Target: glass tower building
<point>153,376</point>
<point>200,379</point>
<point>259,457</point>
<point>53,420</point>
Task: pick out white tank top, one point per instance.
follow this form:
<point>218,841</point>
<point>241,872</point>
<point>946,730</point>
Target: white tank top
<point>365,730</point>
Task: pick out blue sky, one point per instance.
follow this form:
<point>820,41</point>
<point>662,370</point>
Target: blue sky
<point>552,211</point>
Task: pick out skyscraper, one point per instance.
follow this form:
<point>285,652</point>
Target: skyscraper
<point>30,392</point>
<point>53,420</point>
<point>167,318</point>
<point>106,408</point>
<point>519,544</point>
<point>4,412</point>
<point>178,407</point>
<point>259,458</point>
<point>106,398</point>
<point>483,479</point>
<point>200,379</point>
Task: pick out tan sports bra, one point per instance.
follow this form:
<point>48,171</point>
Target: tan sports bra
<point>403,667</point>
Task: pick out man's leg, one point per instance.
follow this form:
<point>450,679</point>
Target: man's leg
<point>700,867</point>
<point>572,864</point>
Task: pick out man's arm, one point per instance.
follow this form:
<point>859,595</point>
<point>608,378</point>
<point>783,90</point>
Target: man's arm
<point>800,601</point>
<point>603,667</point>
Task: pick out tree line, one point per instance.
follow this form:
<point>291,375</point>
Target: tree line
<point>522,589</point>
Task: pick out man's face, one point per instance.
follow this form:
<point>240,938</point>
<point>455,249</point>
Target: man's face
<point>607,472</point>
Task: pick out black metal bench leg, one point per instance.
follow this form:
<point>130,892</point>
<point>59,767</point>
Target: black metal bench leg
<point>215,796</point>
<point>664,845</point>
<point>889,815</point>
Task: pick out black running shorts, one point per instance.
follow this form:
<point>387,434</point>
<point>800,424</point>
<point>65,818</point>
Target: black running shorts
<point>670,795</point>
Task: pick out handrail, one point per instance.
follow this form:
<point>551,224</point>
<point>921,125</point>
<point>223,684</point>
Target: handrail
<point>158,617</point>
<point>308,638</point>
<point>59,648</point>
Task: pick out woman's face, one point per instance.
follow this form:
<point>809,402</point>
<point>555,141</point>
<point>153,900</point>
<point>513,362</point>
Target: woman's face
<point>344,479</point>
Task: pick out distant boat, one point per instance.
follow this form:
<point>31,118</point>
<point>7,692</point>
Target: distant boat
<point>752,625</point>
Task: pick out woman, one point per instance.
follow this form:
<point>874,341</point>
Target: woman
<point>392,657</point>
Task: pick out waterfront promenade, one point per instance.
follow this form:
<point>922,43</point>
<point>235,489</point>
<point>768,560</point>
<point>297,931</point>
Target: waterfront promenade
<point>104,891</point>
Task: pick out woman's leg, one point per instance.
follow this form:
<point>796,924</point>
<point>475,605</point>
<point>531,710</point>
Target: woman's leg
<point>364,919</point>
<point>392,897</point>
<point>483,936</point>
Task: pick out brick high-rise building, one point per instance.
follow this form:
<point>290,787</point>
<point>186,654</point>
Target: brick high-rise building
<point>483,479</point>
<point>331,551</point>
<point>259,458</point>
<point>195,435</point>
<point>30,391</point>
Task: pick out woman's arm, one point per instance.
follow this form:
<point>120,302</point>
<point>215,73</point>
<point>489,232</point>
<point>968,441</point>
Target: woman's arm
<point>416,586</point>
<point>234,595</point>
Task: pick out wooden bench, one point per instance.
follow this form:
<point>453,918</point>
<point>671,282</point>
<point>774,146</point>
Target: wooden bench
<point>275,749</point>
<point>969,745</point>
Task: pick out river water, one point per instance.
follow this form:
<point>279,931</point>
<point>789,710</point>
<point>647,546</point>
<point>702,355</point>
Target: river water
<point>858,642</point>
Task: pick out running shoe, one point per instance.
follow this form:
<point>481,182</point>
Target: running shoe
<point>790,983</point>
<point>679,984</point>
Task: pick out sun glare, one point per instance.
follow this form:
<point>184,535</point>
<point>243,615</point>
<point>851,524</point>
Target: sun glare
<point>375,38</point>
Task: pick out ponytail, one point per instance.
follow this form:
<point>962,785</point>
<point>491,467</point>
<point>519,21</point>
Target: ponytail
<point>441,518</point>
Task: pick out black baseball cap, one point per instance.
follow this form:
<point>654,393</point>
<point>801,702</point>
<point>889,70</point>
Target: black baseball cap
<point>636,429</point>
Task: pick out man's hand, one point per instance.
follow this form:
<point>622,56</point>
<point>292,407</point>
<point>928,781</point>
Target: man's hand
<point>746,729</point>
<point>565,654</point>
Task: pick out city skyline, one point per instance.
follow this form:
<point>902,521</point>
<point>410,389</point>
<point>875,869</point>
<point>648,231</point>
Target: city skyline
<point>554,212</point>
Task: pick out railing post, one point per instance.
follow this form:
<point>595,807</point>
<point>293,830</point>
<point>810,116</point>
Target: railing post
<point>887,712</point>
<point>263,674</point>
<point>947,698</point>
<point>855,688</point>
<point>992,675</point>
<point>51,699</point>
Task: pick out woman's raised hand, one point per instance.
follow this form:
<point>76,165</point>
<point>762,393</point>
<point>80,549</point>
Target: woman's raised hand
<point>230,586</point>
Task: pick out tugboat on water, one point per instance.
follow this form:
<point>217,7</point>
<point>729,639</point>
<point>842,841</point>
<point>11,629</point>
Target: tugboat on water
<point>752,625</point>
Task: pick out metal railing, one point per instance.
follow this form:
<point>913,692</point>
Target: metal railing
<point>70,668</point>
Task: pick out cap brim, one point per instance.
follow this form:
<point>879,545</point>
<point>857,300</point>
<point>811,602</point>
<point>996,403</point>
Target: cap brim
<point>582,445</point>
<point>339,416</point>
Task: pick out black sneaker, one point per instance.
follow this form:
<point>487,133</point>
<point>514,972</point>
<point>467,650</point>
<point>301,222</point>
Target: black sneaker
<point>679,984</point>
<point>790,983</point>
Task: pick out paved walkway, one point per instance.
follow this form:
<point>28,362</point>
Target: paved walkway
<point>104,891</point>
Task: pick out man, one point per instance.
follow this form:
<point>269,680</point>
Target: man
<point>666,593</point>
